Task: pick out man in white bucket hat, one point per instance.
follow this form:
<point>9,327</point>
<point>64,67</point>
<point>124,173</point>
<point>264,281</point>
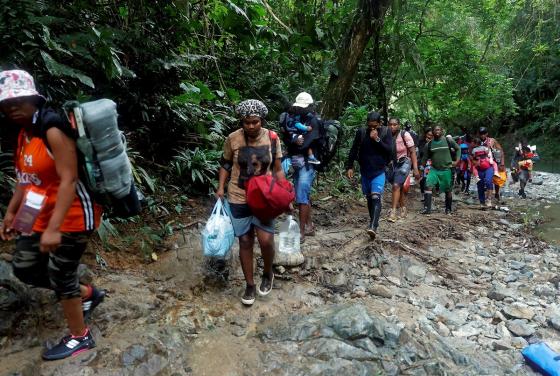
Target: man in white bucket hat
<point>298,147</point>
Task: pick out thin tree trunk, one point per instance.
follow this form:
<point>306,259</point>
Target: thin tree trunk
<point>367,21</point>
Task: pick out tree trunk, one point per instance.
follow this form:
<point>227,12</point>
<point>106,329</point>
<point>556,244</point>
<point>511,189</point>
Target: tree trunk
<point>367,21</point>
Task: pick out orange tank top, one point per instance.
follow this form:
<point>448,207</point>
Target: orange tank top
<point>35,167</point>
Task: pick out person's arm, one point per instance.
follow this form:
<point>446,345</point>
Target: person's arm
<point>457,148</point>
<point>425,152</point>
<point>65,157</point>
<point>6,231</point>
<point>353,154</point>
<point>277,167</point>
<point>225,168</point>
<point>412,152</point>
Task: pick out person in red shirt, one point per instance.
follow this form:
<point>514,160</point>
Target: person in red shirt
<point>51,214</point>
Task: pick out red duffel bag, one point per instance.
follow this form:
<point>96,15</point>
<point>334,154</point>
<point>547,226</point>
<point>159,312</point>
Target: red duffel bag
<point>269,197</point>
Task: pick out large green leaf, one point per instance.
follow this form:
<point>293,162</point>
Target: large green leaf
<point>58,69</point>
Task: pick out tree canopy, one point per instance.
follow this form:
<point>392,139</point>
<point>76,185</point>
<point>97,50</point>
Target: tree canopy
<point>177,67</point>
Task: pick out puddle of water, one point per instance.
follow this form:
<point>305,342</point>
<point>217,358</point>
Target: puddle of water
<point>550,230</point>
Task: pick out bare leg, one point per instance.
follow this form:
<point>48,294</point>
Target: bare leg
<point>402,199</point>
<point>396,196</point>
<point>246,243</point>
<point>304,217</point>
<point>266,243</point>
<point>74,317</point>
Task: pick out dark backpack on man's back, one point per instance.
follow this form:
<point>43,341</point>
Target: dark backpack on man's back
<point>330,136</point>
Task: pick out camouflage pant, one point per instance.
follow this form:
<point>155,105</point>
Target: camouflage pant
<point>56,270</point>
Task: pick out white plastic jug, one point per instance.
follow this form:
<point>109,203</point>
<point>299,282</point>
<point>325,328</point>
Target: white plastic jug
<point>289,236</point>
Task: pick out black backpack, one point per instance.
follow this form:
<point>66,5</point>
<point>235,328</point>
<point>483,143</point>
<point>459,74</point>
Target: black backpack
<point>324,140</point>
<point>330,136</point>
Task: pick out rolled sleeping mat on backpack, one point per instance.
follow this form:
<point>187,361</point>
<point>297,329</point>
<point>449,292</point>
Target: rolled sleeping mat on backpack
<point>100,120</point>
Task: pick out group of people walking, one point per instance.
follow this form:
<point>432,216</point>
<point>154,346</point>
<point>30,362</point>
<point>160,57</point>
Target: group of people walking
<point>64,216</point>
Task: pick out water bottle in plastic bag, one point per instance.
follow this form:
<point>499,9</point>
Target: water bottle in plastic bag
<point>289,236</point>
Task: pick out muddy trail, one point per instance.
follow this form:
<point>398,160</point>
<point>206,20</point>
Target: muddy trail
<point>453,294</point>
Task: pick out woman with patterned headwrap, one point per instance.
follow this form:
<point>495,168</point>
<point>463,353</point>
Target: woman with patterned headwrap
<point>250,151</point>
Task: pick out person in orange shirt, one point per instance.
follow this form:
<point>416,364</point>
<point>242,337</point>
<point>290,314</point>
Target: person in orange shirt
<point>51,214</point>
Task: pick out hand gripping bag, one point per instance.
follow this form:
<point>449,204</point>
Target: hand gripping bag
<point>218,235</point>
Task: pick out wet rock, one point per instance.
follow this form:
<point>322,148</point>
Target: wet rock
<point>380,290</point>
<point>510,278</point>
<point>516,265</point>
<point>133,355</point>
<point>519,342</point>
<point>500,293</point>
<point>327,348</point>
<point>545,291</point>
<point>339,279</point>
<point>518,311</point>
<point>467,330</point>
<point>416,273</point>
<point>14,298</point>
<point>454,318</point>
<point>502,345</point>
<point>520,328</point>
<point>442,329</point>
<point>554,321</point>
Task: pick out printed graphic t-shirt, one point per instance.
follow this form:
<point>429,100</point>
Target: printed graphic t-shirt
<point>250,157</point>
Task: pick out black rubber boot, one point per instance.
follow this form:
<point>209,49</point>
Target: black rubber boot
<point>448,204</point>
<point>427,203</point>
<point>374,206</point>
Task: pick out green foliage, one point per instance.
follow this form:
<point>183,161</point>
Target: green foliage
<point>196,168</point>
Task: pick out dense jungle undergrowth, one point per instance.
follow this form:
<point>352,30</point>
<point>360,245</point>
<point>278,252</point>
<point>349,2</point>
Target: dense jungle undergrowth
<point>177,68</point>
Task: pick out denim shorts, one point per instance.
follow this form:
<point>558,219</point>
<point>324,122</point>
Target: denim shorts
<point>373,185</point>
<point>303,180</point>
<point>399,172</point>
<point>244,221</point>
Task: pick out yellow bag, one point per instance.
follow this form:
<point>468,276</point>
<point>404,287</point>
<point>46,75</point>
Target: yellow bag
<point>501,180</point>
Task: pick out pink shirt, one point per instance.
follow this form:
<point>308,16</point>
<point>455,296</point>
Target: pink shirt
<point>403,144</point>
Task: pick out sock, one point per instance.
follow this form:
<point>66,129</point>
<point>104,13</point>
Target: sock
<point>89,292</point>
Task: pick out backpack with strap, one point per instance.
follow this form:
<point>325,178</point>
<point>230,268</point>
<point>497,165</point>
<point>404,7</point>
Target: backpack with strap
<point>330,136</point>
<point>452,151</point>
<point>267,196</point>
<point>105,168</point>
<point>402,133</point>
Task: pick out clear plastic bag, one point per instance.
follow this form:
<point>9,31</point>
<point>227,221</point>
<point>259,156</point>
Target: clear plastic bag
<point>218,235</point>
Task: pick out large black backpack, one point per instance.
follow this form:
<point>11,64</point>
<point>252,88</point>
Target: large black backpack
<point>330,136</point>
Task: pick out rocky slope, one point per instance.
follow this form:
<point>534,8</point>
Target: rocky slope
<point>438,295</point>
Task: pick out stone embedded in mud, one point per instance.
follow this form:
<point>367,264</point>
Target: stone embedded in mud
<point>520,328</point>
<point>554,321</point>
<point>502,345</point>
<point>518,311</point>
<point>416,273</point>
<point>327,348</point>
<point>354,322</point>
<point>519,342</point>
<point>382,291</point>
<point>133,355</point>
<point>500,293</point>
<point>545,291</point>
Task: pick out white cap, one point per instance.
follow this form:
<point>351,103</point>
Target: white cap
<point>303,100</point>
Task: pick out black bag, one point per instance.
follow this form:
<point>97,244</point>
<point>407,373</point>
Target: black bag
<point>330,136</point>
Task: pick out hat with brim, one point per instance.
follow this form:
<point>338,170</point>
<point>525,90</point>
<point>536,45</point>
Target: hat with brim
<point>18,84</point>
<point>303,100</point>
